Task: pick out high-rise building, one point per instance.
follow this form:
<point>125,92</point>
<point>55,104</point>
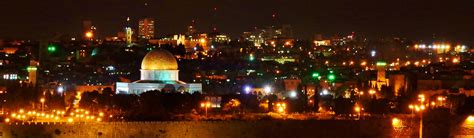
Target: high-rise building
<point>146,28</point>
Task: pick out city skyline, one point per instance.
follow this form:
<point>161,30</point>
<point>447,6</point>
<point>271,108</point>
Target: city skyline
<point>415,20</point>
<point>236,68</point>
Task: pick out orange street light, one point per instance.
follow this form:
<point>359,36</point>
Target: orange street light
<point>42,100</point>
<point>470,119</point>
<point>206,105</point>
<point>358,110</point>
<point>281,107</point>
<point>372,91</point>
<point>89,35</point>
<point>396,122</point>
<point>440,98</point>
<point>421,98</point>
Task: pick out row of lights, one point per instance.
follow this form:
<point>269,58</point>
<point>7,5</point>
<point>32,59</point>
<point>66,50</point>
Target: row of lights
<point>55,115</point>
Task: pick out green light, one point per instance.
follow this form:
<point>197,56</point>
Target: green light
<point>31,68</point>
<point>332,77</point>
<point>315,75</point>
<point>381,63</point>
<point>51,48</point>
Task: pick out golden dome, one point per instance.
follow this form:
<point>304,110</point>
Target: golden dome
<point>159,60</point>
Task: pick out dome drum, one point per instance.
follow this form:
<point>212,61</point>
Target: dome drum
<point>162,75</point>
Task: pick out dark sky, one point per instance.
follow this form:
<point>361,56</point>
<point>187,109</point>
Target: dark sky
<point>417,19</point>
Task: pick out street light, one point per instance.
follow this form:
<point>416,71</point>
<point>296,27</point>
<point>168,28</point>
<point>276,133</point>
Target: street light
<point>267,89</point>
<point>281,107</point>
<point>470,118</point>
<point>42,100</point>
<point>412,108</point>
<point>206,105</point>
<point>421,98</point>
<point>358,110</point>
<point>293,94</point>
<point>247,89</point>
<point>89,35</point>
<point>396,123</point>
<point>372,91</point>
<point>441,100</point>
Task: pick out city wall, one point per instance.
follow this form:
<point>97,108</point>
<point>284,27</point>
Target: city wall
<point>247,129</point>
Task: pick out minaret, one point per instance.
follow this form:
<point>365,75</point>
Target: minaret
<point>128,33</point>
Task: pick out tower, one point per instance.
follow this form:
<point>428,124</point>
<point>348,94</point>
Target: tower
<point>128,33</point>
<point>381,80</point>
<point>32,72</point>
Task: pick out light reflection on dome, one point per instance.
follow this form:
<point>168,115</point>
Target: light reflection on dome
<point>159,60</point>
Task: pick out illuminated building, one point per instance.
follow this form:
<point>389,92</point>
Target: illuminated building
<point>188,42</point>
<point>256,38</point>
<point>146,28</point>
<point>437,48</point>
<point>322,42</point>
<point>32,69</point>
<point>281,60</point>
<point>220,39</point>
<point>270,36</point>
<point>128,33</point>
<point>381,80</point>
<point>9,50</point>
<point>159,72</point>
<point>319,41</point>
<point>398,83</point>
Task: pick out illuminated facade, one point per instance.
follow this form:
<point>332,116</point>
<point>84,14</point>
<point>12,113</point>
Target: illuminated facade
<point>188,42</point>
<point>381,80</point>
<point>322,42</point>
<point>159,72</point>
<point>32,72</point>
<point>146,28</point>
<point>128,35</point>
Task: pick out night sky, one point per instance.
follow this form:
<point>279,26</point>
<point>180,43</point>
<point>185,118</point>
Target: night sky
<point>415,19</point>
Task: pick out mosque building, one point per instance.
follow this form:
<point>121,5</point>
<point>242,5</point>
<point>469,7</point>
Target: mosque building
<point>159,71</point>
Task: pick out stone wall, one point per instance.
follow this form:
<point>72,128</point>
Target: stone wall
<point>223,129</point>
